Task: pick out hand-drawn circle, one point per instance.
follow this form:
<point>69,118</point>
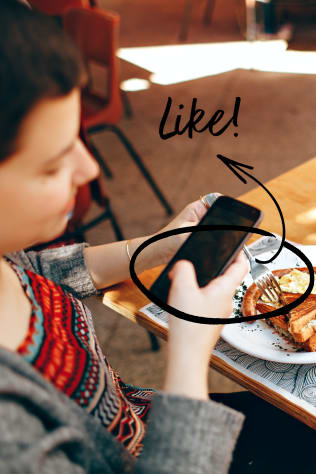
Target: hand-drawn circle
<point>204,320</point>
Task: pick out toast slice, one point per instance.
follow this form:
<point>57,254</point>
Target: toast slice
<point>300,326</point>
<point>277,321</point>
<point>310,344</point>
<point>299,321</point>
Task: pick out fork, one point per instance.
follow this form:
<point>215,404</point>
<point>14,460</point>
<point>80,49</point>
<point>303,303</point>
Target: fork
<point>265,280</point>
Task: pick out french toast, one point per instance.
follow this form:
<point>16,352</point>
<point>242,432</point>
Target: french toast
<point>299,326</point>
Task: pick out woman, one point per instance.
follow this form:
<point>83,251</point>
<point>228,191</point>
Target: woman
<point>62,407</point>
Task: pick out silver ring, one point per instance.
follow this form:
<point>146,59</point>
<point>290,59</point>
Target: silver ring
<point>203,200</point>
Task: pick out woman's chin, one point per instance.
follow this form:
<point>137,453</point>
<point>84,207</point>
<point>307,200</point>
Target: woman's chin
<point>53,235</point>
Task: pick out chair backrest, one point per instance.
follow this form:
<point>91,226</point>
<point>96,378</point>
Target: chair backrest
<point>95,33</point>
<point>58,7</point>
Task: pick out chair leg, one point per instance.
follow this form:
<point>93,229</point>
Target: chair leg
<point>155,346</point>
<point>104,167</point>
<point>137,160</point>
<point>251,20</point>
<point>142,168</point>
<point>185,21</point>
<point>116,227</point>
<point>126,105</point>
<point>208,12</point>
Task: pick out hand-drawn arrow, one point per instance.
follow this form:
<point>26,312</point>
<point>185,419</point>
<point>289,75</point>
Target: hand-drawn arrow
<point>234,166</point>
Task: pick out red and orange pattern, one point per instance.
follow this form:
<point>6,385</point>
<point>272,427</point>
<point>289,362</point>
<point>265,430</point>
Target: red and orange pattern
<point>61,344</point>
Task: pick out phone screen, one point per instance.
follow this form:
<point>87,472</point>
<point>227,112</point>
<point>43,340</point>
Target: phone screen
<point>212,251</point>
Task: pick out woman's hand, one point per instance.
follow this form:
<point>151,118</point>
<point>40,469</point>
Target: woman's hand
<point>189,216</point>
<point>191,344</point>
<point>163,250</point>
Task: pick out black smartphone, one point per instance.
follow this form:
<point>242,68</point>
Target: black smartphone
<point>211,252</point>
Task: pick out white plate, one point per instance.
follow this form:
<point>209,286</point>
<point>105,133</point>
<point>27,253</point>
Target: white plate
<point>257,339</point>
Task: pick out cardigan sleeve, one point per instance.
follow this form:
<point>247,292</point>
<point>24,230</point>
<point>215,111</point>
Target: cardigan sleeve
<point>183,435</point>
<point>65,266</point>
<point>186,436</point>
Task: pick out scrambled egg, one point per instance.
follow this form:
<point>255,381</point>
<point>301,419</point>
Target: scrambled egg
<point>294,282</point>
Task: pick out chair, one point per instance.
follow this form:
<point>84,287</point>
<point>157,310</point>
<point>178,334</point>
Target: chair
<point>58,7</point>
<point>96,34</point>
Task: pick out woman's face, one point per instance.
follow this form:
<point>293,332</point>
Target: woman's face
<point>39,182</point>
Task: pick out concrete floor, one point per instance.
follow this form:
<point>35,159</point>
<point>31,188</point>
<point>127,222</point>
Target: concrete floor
<point>276,132</point>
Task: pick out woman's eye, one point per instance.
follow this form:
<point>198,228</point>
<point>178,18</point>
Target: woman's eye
<point>51,172</point>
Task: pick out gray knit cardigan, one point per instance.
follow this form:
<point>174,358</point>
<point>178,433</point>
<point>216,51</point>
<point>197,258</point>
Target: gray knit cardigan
<point>43,431</point>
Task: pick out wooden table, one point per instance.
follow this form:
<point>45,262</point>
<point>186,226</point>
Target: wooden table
<point>295,193</point>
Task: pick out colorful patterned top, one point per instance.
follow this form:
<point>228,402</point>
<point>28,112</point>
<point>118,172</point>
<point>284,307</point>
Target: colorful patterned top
<point>62,345</point>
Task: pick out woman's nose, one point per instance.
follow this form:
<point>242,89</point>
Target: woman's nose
<point>86,167</point>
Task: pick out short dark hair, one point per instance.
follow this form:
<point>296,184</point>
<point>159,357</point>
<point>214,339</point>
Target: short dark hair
<point>37,61</point>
